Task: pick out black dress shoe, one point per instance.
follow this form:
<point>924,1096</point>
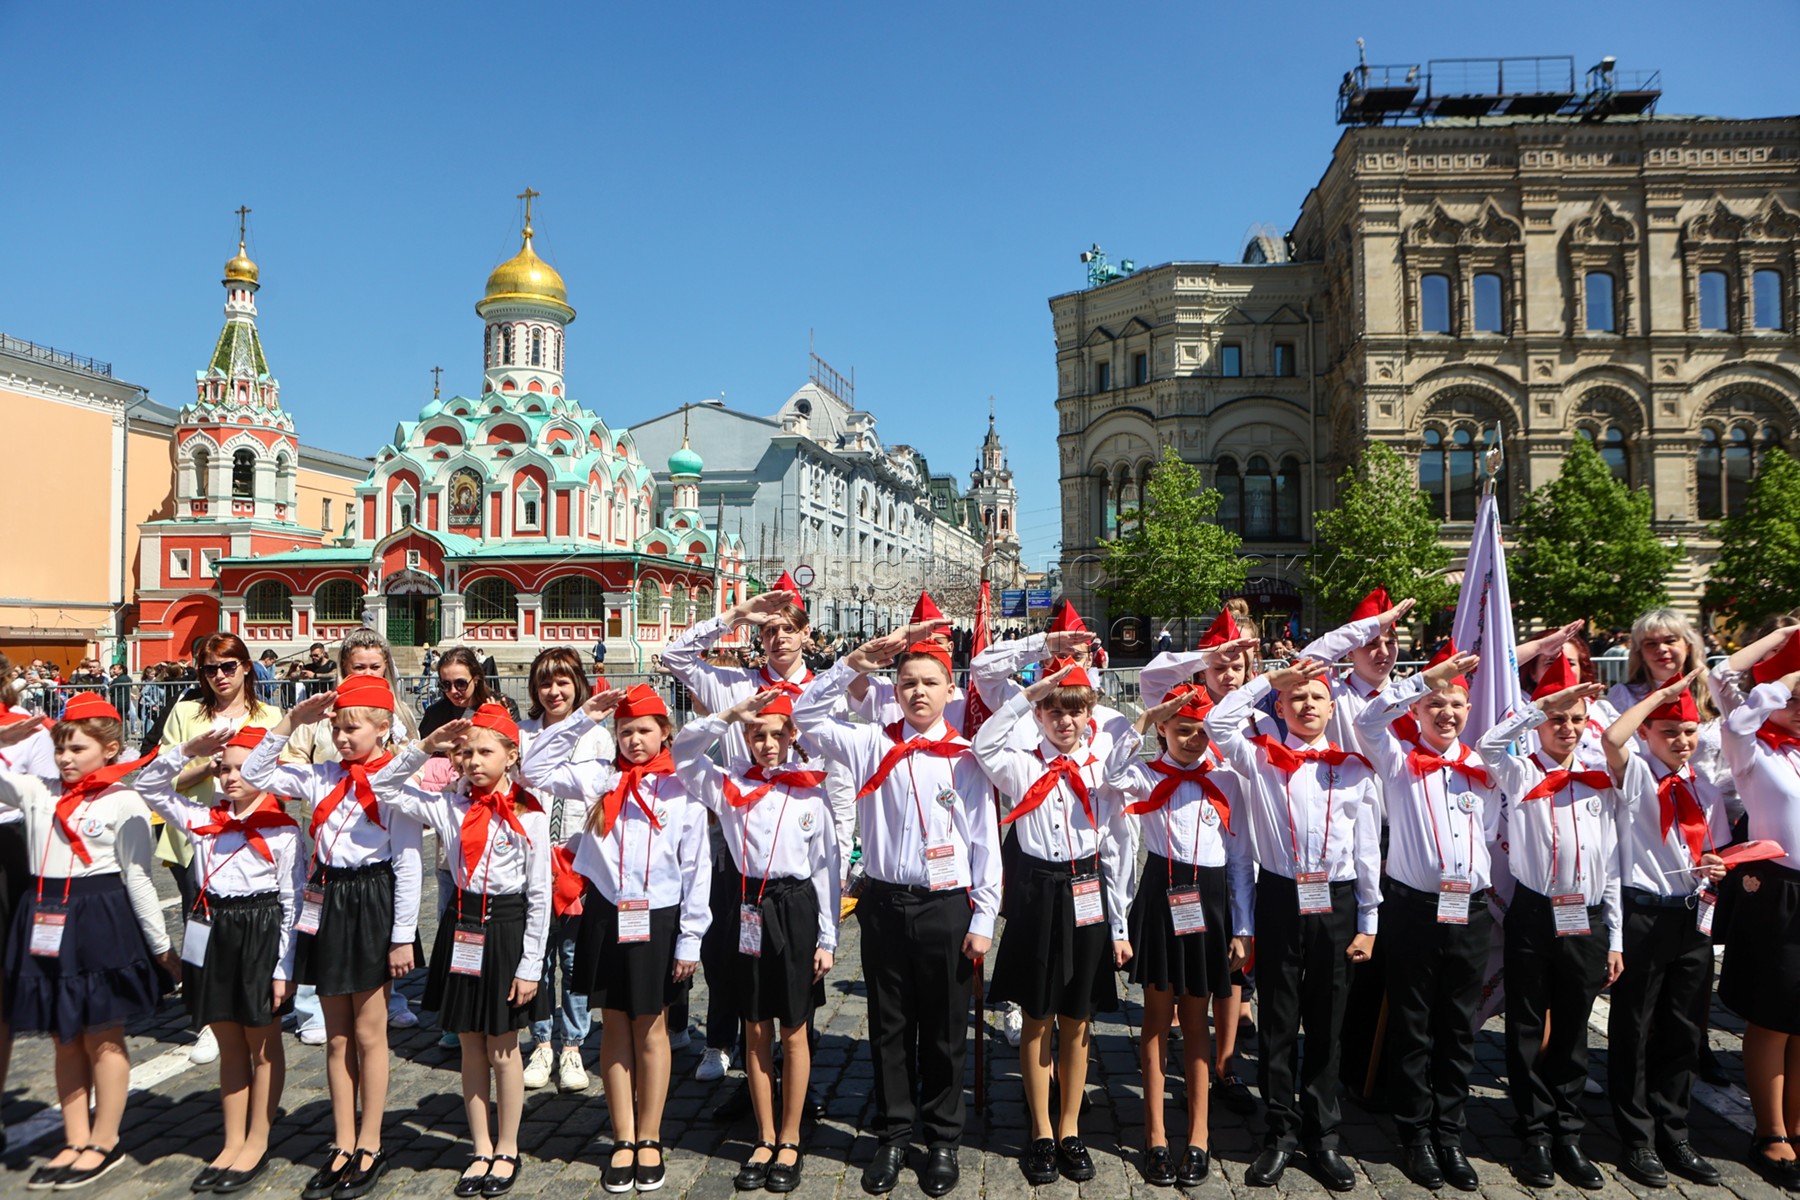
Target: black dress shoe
<point>1534,1168</point>
<point>1039,1162</point>
<point>735,1104</point>
<point>1159,1167</point>
<point>619,1180</point>
<point>940,1172</point>
<point>1267,1170</point>
<point>1577,1168</point>
<point>1330,1169</point>
<point>648,1179</point>
<point>1195,1163</point>
<point>1782,1172</point>
<point>208,1176</point>
<point>1073,1159</point>
<point>237,1181</point>
<point>883,1172</point>
<point>109,1159</point>
<point>499,1185</point>
<point>1459,1173</point>
<point>1420,1163</point>
<point>327,1177</point>
<point>753,1175</point>
<point>785,1177</point>
<point>359,1181</point>
<point>1642,1164</point>
<point>1680,1158</point>
<point>470,1185</point>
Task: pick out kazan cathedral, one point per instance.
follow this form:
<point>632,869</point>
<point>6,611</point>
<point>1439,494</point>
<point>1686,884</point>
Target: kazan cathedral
<point>507,522</point>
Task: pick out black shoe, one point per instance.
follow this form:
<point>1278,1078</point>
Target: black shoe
<point>815,1104</point>
<point>1195,1163</point>
<point>1267,1170</point>
<point>1782,1172</point>
<point>237,1181</point>
<point>1039,1162</point>
<point>327,1177</point>
<point>1642,1165</point>
<point>1459,1173</point>
<point>499,1185</point>
<point>1330,1169</point>
<point>1577,1168</point>
<point>1073,1159</point>
<point>1680,1158</point>
<point>753,1175</point>
<point>618,1180</point>
<point>785,1177</point>
<point>940,1172</point>
<point>73,1179</point>
<point>1159,1167</point>
<point>204,1181</point>
<point>650,1178</point>
<point>736,1104</point>
<point>470,1185</point>
<point>1534,1168</point>
<point>359,1181</point>
<point>883,1172</point>
<point>1420,1163</point>
<point>1235,1095</point>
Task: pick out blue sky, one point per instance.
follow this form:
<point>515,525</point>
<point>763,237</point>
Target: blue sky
<point>912,182</point>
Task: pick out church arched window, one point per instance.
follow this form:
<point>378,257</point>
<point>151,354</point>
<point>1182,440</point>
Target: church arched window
<point>202,472</point>
<point>537,348</point>
<point>506,345</point>
<point>243,475</point>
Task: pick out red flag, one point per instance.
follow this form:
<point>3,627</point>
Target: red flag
<point>974,711</point>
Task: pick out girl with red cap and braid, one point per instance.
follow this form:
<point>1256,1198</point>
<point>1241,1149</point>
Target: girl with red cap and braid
<point>86,943</point>
<point>647,864</point>
<point>238,949</point>
<point>488,957</point>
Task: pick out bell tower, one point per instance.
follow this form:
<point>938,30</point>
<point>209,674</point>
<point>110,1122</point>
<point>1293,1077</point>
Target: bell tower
<point>525,311</point>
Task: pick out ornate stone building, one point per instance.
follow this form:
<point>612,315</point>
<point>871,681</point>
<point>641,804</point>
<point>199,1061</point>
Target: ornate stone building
<point>1632,280</point>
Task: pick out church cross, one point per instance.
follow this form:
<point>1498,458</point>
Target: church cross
<point>528,196</point>
<point>242,212</point>
<point>437,375</point>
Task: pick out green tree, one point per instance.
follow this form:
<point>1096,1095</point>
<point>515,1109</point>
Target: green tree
<point>1586,548</point>
<point>1172,558</point>
<point>1758,572</point>
<point>1383,533</point>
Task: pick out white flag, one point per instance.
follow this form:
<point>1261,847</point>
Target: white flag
<point>1484,625</point>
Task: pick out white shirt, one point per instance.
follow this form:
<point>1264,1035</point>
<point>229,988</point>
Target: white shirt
<point>786,834</point>
<point>925,799</point>
<point>36,755</point>
<point>1058,830</point>
<point>1350,692</point>
<point>1768,781</point>
<point>1172,668</point>
<point>1559,844</point>
<point>880,705</point>
<point>718,688</point>
<point>1189,828</point>
<point>568,812</point>
<point>1441,824</point>
<point>1322,818</point>
<point>1652,861</point>
<point>226,864</point>
<point>113,825</point>
<point>669,866</point>
<point>348,839</point>
<point>1708,760</point>
<point>510,865</point>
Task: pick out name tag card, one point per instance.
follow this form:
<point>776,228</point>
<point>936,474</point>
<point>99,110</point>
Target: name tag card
<point>941,872</point>
<point>1186,911</point>
<point>634,920</point>
<point>750,930</point>
<point>1453,900</point>
<point>194,936</point>
<point>47,925</point>
<point>466,950</point>
<point>1571,915</point>
<point>1089,910</point>
<point>311,905</point>
<point>1703,914</point>
<point>1314,888</point>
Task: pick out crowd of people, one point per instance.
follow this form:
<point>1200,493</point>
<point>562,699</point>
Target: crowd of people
<point>1255,826</point>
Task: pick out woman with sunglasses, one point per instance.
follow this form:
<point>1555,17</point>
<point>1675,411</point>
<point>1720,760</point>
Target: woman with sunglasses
<point>464,689</point>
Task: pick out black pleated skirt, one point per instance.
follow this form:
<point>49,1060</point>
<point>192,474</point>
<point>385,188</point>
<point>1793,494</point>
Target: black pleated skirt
<point>636,978</point>
<point>349,954</point>
<point>15,877</point>
<point>777,985</point>
<point>478,1003</point>
<point>104,976</point>
<point>1196,964</point>
<point>1759,979</point>
<point>241,955</point>
<point>1046,964</point>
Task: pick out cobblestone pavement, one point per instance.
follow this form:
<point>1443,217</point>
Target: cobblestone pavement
<point>172,1121</point>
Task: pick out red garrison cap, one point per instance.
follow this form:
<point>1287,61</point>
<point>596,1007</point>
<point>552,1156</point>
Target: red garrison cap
<point>83,705</point>
<point>1068,620</point>
<point>641,700</point>
<point>1784,661</point>
<point>1372,605</point>
<point>1223,629</point>
<point>936,650</point>
<point>1076,678</point>
<point>1448,652</point>
<point>1199,703</point>
<point>786,584</point>
<point>495,717</point>
<point>780,706</point>
<point>365,691</point>
<point>926,609</point>
<point>1560,674</point>
<point>1682,708</point>
<point>249,737</point>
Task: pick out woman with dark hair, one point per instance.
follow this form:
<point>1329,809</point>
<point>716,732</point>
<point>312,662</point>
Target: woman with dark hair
<point>465,688</point>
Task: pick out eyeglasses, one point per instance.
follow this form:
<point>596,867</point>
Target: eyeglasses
<point>457,685</point>
<point>228,667</point>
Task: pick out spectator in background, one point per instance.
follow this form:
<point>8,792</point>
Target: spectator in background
<point>265,676</point>
<point>599,654</point>
<point>320,665</point>
<point>465,688</point>
<point>491,671</point>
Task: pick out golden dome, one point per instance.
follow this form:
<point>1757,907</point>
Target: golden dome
<point>239,269</point>
<point>525,276</point>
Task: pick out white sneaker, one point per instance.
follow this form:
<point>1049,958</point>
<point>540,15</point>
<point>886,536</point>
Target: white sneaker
<point>1012,1024</point>
<point>680,1039</point>
<point>205,1050</point>
<point>713,1065</point>
<point>537,1070</point>
<point>312,1035</point>
<point>571,1075</point>
<point>400,1016</point>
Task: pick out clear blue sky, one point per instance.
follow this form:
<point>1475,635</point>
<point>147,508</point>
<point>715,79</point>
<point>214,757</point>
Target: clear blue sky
<point>911,181</point>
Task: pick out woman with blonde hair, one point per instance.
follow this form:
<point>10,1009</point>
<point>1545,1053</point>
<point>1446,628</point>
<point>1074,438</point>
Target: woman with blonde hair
<point>1664,647</point>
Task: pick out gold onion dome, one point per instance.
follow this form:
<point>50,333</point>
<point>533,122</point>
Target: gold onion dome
<point>239,268</point>
<point>525,276</point>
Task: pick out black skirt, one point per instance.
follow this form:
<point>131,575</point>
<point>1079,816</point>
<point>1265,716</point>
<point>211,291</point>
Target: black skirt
<point>241,955</point>
<point>1196,964</point>
<point>777,985</point>
<point>349,954</point>
<point>478,1003</point>
<point>636,978</point>
<point>104,976</point>
<point>1760,977</point>
<point>15,876</point>
<point>1046,964</point>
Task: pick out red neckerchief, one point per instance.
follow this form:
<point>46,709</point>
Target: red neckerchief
<point>1060,768</point>
<point>630,774</point>
<point>1172,778</point>
<point>1777,739</point>
<point>1556,781</point>
<point>266,813</point>
<point>74,795</point>
<point>356,775</point>
<point>946,747</point>
<point>483,806</point>
<point>1423,762</point>
<point>1406,728</point>
<point>1287,760</point>
<point>787,686</point>
<point>738,798</point>
<point>1676,799</point>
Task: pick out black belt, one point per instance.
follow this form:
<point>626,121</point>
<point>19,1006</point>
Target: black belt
<point>877,887</point>
<point>1400,891</point>
<point>253,900</point>
<point>1643,899</point>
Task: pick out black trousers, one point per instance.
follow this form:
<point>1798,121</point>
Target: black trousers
<point>723,1031</point>
<point>1658,1021</point>
<point>918,1009</point>
<point>1434,977</point>
<point>1302,978</point>
<point>1560,975</point>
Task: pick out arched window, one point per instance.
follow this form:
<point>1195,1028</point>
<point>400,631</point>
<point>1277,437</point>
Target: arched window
<point>575,598</point>
<point>1463,474</point>
<point>703,603</point>
<point>1231,496</point>
<point>1259,500</point>
<point>1450,471</point>
<point>649,602</point>
<point>678,606</point>
<point>1434,303</point>
<point>268,601</point>
<point>537,348</point>
<point>1431,471</point>
<point>1707,473</point>
<point>284,479</point>
<point>1287,501</point>
<point>1489,313</point>
<point>337,600</point>
<point>243,475</point>
<point>202,472</point>
<point>490,599</point>
<point>1714,308</point>
<point>1602,315</point>
<point>1765,298</point>
<point>506,345</point>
